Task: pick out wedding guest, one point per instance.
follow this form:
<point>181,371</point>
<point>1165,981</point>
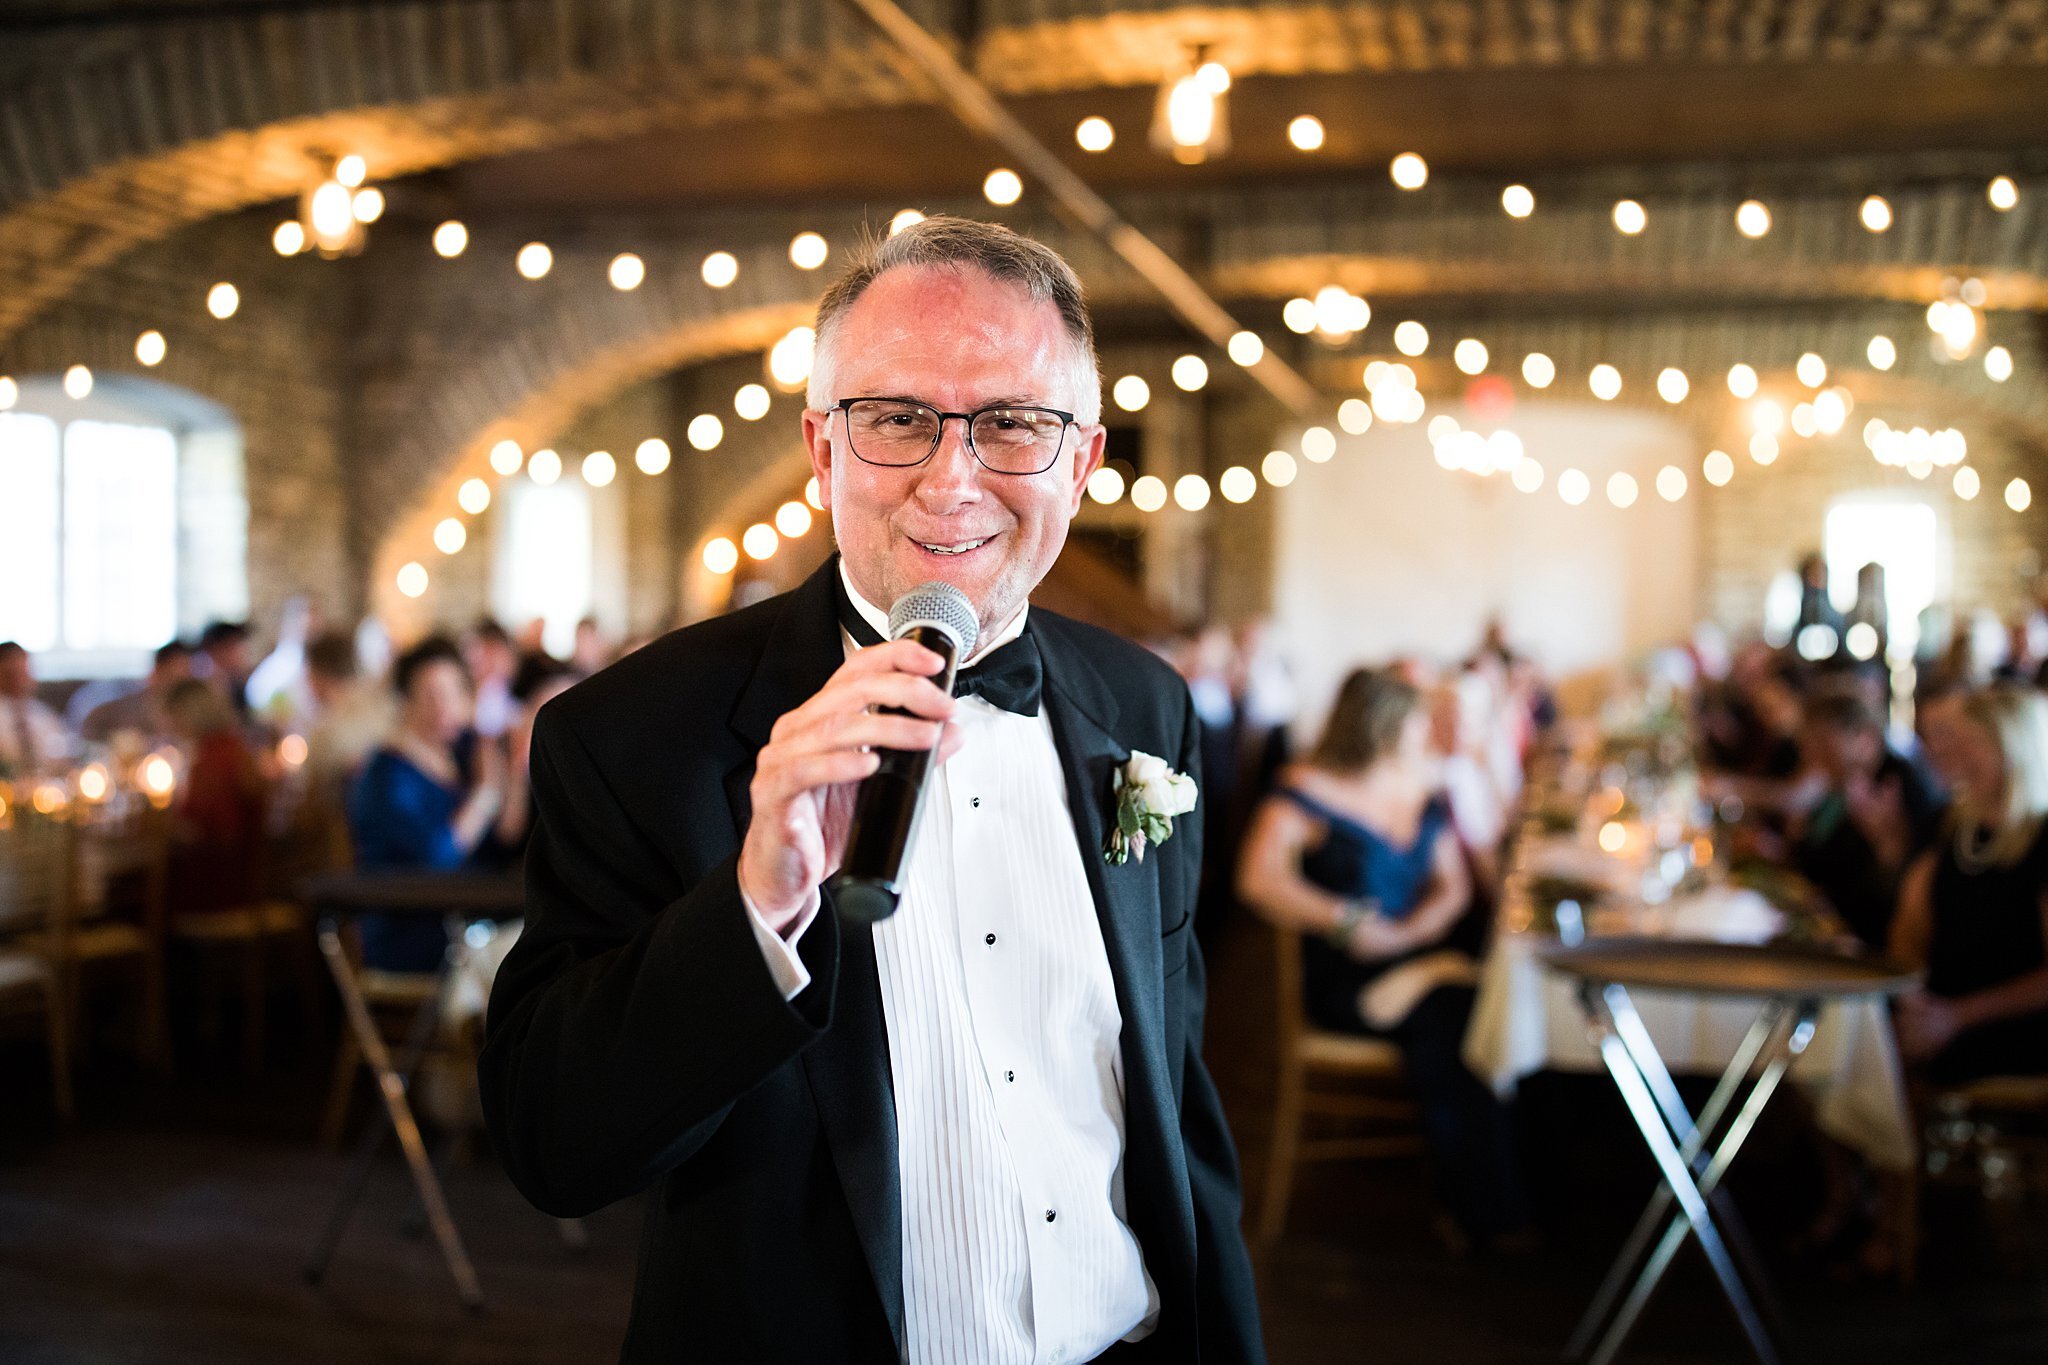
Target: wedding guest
<point>1459,714</point>
<point>144,710</point>
<point>351,716</point>
<point>1865,815</point>
<point>1355,851</point>
<point>223,660</point>
<point>217,827</point>
<point>492,659</point>
<point>426,799</point>
<point>1974,911</point>
<point>33,738</point>
<point>590,651</point>
<point>541,678</point>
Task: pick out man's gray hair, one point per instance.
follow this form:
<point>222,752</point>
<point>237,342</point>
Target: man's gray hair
<point>960,244</point>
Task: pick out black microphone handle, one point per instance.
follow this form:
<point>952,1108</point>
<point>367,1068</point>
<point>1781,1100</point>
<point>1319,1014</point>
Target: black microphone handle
<point>869,882</point>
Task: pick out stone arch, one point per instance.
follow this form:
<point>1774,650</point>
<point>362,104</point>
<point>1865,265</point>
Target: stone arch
<point>120,130</point>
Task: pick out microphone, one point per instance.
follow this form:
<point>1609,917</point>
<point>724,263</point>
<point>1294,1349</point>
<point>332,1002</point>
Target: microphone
<point>869,882</point>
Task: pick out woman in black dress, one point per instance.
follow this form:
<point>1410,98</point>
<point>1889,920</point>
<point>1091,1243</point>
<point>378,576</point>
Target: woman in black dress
<point>1974,909</point>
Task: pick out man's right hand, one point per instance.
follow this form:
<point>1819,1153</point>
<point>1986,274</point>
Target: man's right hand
<point>816,756</point>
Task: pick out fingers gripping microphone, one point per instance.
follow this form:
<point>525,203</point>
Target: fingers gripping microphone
<point>870,878</point>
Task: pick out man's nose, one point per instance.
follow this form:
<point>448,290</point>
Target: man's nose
<point>952,476</point>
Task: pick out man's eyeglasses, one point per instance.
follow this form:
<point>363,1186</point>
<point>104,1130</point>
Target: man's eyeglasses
<point>1006,439</point>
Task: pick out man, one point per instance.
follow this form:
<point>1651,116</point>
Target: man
<point>224,652</point>
<point>980,1131</point>
<point>33,738</point>
<point>142,710</point>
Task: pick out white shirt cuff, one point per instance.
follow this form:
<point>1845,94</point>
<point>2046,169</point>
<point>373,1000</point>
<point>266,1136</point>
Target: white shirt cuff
<point>779,950</point>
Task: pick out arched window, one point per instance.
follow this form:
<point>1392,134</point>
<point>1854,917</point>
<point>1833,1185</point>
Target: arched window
<point>123,522</point>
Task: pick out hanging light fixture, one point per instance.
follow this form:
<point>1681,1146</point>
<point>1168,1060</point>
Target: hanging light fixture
<point>334,215</point>
<point>1191,119</point>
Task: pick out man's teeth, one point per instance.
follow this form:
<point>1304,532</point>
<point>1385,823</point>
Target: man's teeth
<point>959,549</point>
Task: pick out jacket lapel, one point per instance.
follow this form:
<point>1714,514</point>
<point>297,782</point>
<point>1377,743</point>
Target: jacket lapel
<point>1083,709</point>
<point>847,1067</point>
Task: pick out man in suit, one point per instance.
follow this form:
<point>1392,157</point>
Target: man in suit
<point>980,1130</point>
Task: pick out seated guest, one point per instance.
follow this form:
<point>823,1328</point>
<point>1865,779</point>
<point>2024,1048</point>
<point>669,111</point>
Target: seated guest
<point>223,660</point>
<point>1354,850</point>
<point>425,800</point>
<point>492,660</point>
<point>1867,813</point>
<point>1973,909</point>
<point>143,710</point>
<point>33,738</point>
<point>540,679</point>
<point>217,830</point>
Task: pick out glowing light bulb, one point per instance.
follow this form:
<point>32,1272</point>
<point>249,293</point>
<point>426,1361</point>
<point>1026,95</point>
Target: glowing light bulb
<point>1409,171</point>
<point>367,205</point>
<point>544,467</point>
<point>1278,468</point>
<point>1812,370</point>
<point>1002,187</point>
<point>1148,494</point>
<point>534,260</point>
<point>752,402</point>
<point>1106,485</point>
<point>1411,338</point>
<point>704,432</point>
<point>78,382</point>
<point>451,239</point>
<point>412,579</point>
<point>652,455</point>
<point>1538,370</point>
<point>1318,444</point>
<point>1355,416</point>
<point>450,535</point>
<point>789,359</point>
<point>1245,348</point>
<point>1518,200</point>
<point>222,300</point>
<point>150,347</point>
<point>1752,219</point>
<point>1131,393</point>
<point>1191,491</point>
<point>721,556</point>
<point>1997,364</point>
<point>1629,217</point>
<point>1237,484</point>
<point>1094,134</point>
<point>627,271</point>
<point>474,496</point>
<point>1718,468</point>
<point>2003,193</point>
<point>1967,483</point>
<point>720,269</point>
<point>1605,382</point>
<point>1882,353</point>
<point>1574,487</point>
<point>2018,496</point>
<point>1671,483</point>
<point>792,519</point>
<point>1672,385</point>
<point>599,468</point>
<point>1621,490</point>
<point>760,541</point>
<point>1190,373</point>
<point>351,170</point>
<point>808,250</point>
<point>1876,214</point>
<point>1741,381</point>
<point>1527,476</point>
<point>1469,355</point>
<point>289,239</point>
<point>1306,133</point>
<point>506,457</point>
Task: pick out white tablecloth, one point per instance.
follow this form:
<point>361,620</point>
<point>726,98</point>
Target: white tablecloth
<point>1528,1019</point>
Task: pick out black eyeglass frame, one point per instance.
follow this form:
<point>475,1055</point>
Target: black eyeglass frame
<point>845,407</point>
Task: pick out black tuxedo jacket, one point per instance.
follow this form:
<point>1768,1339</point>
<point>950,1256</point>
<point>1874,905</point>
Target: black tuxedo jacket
<point>636,1038</point>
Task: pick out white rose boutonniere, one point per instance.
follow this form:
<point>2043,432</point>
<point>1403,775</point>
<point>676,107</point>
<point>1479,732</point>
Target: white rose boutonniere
<point>1148,795</point>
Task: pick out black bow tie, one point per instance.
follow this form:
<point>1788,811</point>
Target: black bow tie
<point>1011,676</point>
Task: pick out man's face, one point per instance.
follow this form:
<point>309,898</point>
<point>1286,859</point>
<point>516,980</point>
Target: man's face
<point>957,340</point>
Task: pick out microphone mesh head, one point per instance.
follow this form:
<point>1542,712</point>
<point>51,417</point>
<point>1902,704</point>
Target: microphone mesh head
<point>940,605</point>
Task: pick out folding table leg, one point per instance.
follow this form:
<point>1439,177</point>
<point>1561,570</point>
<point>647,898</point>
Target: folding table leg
<point>391,1087</point>
<point>1636,1093</point>
<point>1694,1150</point>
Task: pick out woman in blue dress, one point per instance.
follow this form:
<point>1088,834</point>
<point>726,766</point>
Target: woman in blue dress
<point>1355,850</point>
<point>425,800</point>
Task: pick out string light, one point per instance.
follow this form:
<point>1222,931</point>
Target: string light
<point>1574,487</point>
<point>1318,444</point>
<point>78,382</point>
<point>1718,468</point>
<point>704,432</point>
<point>222,300</point>
<point>1094,133</point>
<point>1002,187</point>
<point>808,250</point>
<point>1538,370</point>
<point>904,218</point>
<point>474,496</point>
<point>760,541</point>
<point>1812,370</point>
<point>1131,393</point>
<point>1409,171</point>
<point>1997,364</point>
<point>1629,217</point>
<point>1340,314</point>
<point>150,348</point>
<point>1469,355</point>
<point>289,239</point>
<point>627,271</point>
<point>1741,380</point>
<point>1752,219</point>
<point>1671,483</point>
<point>599,468</point>
<point>1527,475</point>
<point>506,457</point>
<point>789,359</point>
<point>1355,416</point>
<point>1518,200</point>
<point>652,455</point>
<point>1191,122</point>
<point>721,556</point>
<point>367,205</point>
<point>1279,468</point>
<point>1767,415</point>
<point>1245,348</point>
<point>1298,315</point>
<point>2003,193</point>
<point>1190,373</point>
<point>2018,496</point>
<point>1672,385</point>
<point>534,260</point>
<point>1605,382</point>
<point>720,269</point>
<point>1191,491</point>
<point>1306,133</point>
<point>1763,447</point>
<point>1621,490</point>
<point>1106,485</point>
<point>1967,484</point>
<point>412,579</point>
<point>450,535</point>
<point>451,239</point>
<point>1148,494</point>
<point>351,170</point>
<point>1876,214</point>
<point>544,467</point>
<point>793,519</point>
<point>1411,338</point>
<point>813,495</point>
<point>1237,484</point>
<point>1883,355</point>
<point>752,402</point>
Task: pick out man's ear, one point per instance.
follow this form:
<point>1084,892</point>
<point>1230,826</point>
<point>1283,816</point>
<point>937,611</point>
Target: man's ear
<point>1087,459</point>
<point>818,446</point>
